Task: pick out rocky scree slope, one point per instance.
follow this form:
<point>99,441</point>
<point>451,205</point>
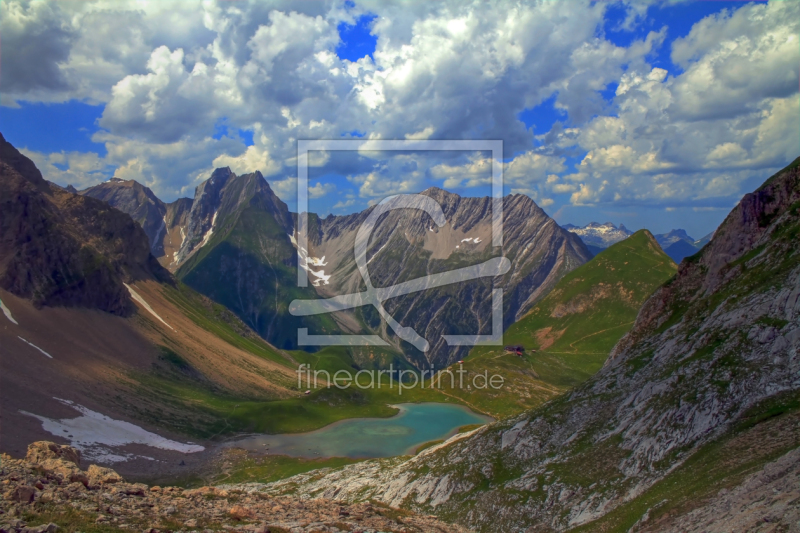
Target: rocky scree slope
<point>49,488</point>
<point>61,249</point>
<point>715,343</point>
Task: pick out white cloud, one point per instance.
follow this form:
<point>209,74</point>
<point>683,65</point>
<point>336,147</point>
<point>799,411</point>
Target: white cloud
<point>318,190</point>
<point>344,204</point>
<point>71,168</point>
<point>709,133</point>
<point>734,60</point>
<point>171,72</point>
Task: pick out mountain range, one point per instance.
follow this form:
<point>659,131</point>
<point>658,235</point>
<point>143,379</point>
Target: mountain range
<point>677,243</point>
<point>235,242</point>
<point>647,394</point>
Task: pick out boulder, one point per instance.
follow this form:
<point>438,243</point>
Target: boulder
<point>66,470</point>
<point>21,494</point>
<point>240,512</point>
<point>44,528</point>
<point>43,450</point>
<point>99,475</point>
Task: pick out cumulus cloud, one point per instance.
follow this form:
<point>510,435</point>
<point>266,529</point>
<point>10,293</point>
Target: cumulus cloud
<point>400,174</point>
<point>318,190</point>
<point>36,42</point>
<point>71,168</point>
<point>734,60</point>
<point>707,134</point>
<point>171,72</point>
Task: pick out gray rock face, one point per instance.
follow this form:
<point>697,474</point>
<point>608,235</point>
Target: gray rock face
<point>407,244</point>
<point>719,339</point>
<point>139,202</point>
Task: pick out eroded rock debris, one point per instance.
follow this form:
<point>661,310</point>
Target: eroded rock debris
<point>48,492</point>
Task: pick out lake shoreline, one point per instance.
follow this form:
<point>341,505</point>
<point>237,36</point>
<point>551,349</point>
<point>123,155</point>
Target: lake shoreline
<point>368,438</point>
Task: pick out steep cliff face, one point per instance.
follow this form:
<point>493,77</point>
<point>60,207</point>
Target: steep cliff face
<point>715,349</point>
<point>176,220</point>
<point>407,244</point>
<point>61,249</point>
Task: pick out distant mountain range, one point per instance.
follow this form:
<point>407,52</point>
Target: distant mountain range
<point>599,235</point>
<point>677,243</point>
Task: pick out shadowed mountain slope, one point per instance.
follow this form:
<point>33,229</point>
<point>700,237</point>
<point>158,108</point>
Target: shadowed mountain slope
<point>58,248</point>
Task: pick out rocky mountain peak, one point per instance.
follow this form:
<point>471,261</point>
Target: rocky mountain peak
<point>137,200</point>
<point>440,194</point>
<point>63,249</point>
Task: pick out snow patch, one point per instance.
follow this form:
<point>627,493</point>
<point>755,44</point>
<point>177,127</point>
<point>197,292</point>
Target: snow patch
<point>161,228</point>
<point>210,231</point>
<point>139,299</point>
<point>7,312</point>
<point>307,261</point>
<point>175,254</point>
<point>94,434</point>
<point>31,344</point>
<point>474,240</point>
<point>376,253</point>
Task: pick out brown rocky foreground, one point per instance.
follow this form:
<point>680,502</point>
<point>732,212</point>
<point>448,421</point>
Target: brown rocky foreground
<point>48,492</point>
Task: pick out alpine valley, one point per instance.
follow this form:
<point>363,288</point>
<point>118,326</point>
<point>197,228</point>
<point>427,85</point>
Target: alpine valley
<point>151,337</point>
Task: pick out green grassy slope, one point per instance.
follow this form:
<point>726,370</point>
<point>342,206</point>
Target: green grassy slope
<point>219,320</point>
<point>569,334</point>
<point>183,400</point>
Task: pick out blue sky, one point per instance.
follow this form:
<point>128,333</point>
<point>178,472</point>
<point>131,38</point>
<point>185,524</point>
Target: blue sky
<point>653,114</point>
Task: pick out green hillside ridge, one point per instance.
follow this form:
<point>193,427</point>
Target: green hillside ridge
<point>569,334</point>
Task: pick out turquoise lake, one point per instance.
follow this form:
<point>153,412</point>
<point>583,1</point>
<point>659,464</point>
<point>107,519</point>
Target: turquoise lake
<point>415,424</point>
